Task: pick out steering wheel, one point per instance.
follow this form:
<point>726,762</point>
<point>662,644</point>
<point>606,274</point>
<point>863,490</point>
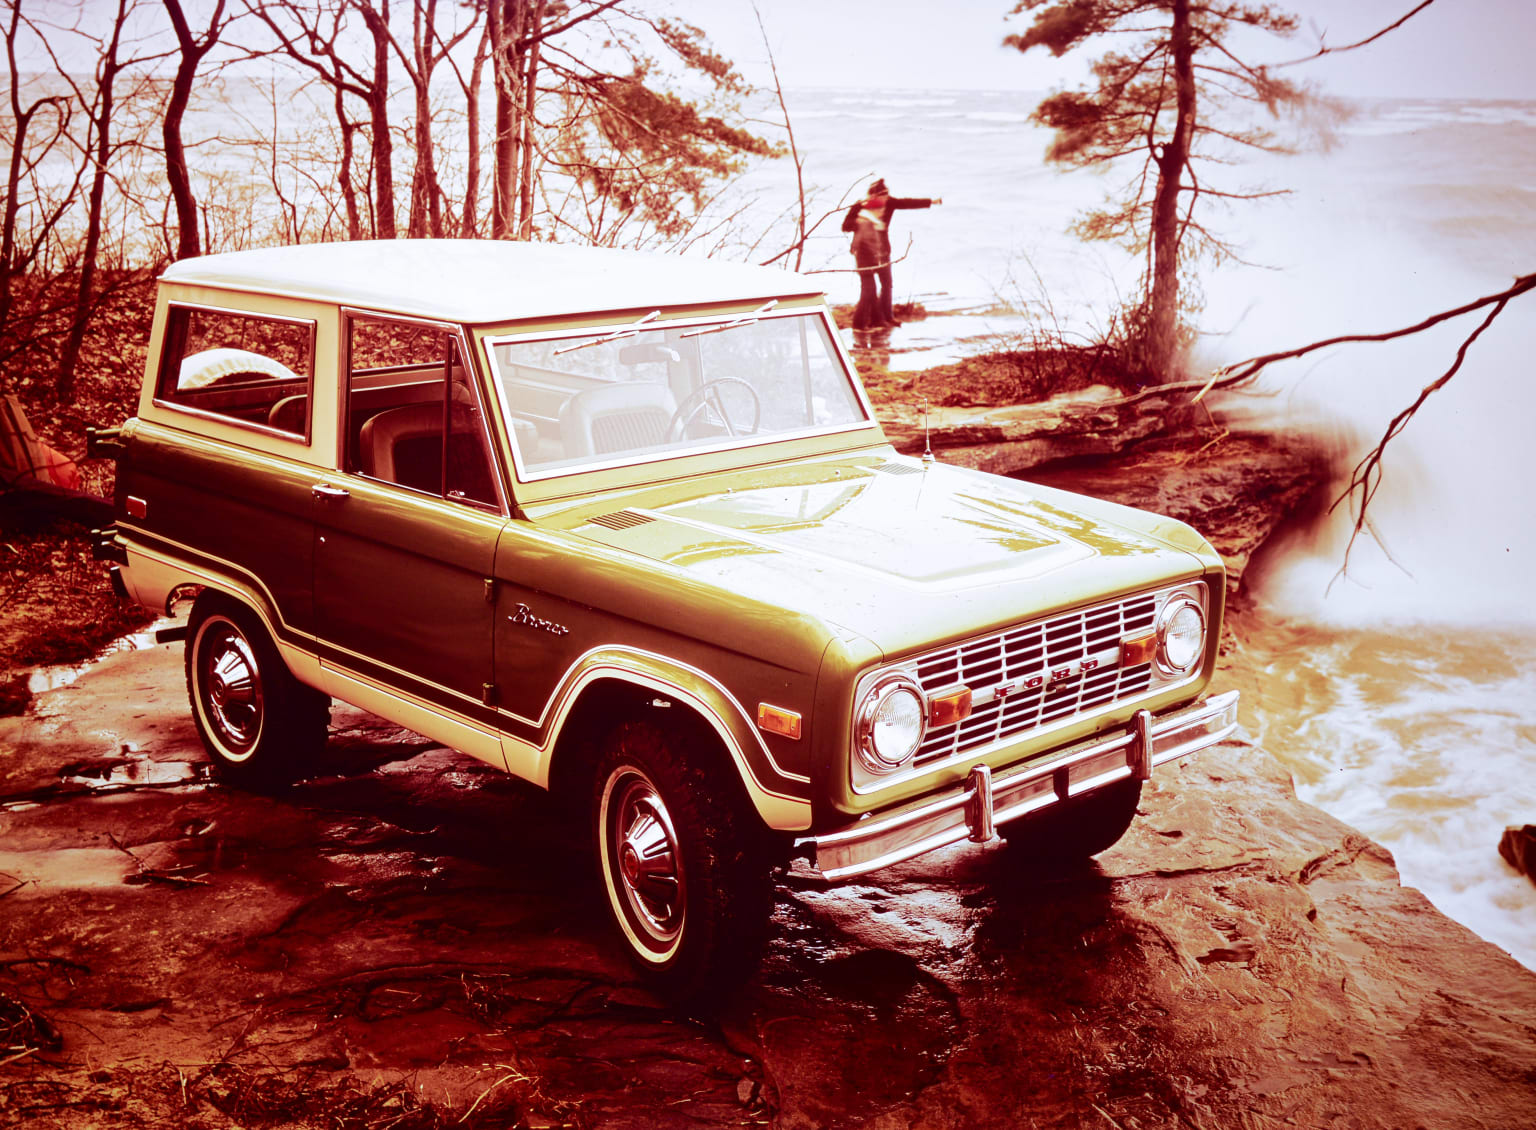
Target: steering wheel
<point>706,394</point>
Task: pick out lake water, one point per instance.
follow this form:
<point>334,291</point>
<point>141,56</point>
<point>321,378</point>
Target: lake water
<point>1402,695</point>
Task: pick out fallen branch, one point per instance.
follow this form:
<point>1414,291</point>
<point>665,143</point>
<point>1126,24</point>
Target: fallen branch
<point>1366,478</point>
<point>1235,374</point>
<point>1324,49</point>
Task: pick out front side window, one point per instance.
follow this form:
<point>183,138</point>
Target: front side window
<point>641,390</point>
<point>244,368</point>
<point>407,388</point>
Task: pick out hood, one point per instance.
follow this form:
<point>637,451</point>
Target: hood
<point>901,553</point>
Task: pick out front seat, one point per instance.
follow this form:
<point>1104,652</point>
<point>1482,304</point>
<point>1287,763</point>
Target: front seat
<point>619,417</point>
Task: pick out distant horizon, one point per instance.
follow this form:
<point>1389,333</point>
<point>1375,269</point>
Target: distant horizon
<point>29,76</point>
<point>1454,49</point>
<point>1041,92</point>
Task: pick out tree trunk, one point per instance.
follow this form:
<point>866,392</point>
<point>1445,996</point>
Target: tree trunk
<point>8,224</point>
<point>469,219</point>
<point>507,23</point>
<point>1171,159</point>
<point>64,386</point>
<point>530,92</point>
<point>426,216</point>
<point>188,235</point>
<point>22,121</point>
<point>424,219</point>
<point>378,124</point>
<point>344,175</point>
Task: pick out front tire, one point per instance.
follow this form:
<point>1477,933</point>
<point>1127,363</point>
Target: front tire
<point>261,726</point>
<point>1074,830</point>
<point>688,894</point>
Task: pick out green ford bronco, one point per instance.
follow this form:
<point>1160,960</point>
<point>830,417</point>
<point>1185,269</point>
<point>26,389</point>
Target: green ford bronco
<point>625,525</point>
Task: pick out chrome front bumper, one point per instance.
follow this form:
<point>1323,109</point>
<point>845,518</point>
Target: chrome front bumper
<point>973,811</point>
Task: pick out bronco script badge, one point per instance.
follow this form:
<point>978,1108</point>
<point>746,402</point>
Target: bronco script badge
<point>524,615</point>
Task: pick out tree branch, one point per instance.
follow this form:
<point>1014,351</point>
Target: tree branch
<point>1365,480</point>
<point>1324,50</point>
<point>1242,371</point>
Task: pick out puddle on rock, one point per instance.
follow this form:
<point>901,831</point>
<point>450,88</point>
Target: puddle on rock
<point>135,773</point>
<point>115,775</point>
<point>44,679</point>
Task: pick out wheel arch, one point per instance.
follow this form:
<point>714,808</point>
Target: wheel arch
<point>614,687</point>
<point>172,583</point>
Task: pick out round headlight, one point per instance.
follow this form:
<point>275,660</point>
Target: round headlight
<point>890,724</point>
<point>1180,635</point>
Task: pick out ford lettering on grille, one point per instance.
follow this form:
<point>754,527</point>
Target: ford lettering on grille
<point>1047,673</point>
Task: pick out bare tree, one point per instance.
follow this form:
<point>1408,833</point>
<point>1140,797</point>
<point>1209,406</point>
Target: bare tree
<point>314,34</point>
<point>192,50</point>
<point>517,34</point>
<point>587,117</point>
<point>29,147</point>
<point>469,213</point>
<point>97,148</point>
<point>429,46</point>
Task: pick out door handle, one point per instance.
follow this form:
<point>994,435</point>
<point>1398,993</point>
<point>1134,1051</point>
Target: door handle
<point>326,492</point>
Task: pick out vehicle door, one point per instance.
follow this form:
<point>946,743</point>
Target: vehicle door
<point>239,495</point>
<point>406,538</point>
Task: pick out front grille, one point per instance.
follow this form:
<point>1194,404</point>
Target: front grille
<point>1041,666</point>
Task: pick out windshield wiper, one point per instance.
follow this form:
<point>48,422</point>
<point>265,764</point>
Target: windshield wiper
<point>737,323</point>
<point>631,330</point>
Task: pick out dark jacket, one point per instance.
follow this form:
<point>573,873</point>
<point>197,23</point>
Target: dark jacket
<point>865,233</point>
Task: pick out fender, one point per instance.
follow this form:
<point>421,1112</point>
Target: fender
<point>780,797</point>
<point>159,571</point>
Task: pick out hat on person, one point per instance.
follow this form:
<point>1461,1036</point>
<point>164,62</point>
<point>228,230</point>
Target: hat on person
<point>878,188</point>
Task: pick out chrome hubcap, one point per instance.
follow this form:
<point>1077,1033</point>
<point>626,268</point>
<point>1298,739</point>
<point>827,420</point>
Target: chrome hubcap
<point>232,684</point>
<point>645,853</point>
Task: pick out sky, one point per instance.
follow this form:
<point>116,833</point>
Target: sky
<point>1453,49</point>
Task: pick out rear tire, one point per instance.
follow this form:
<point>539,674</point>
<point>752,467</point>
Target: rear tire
<point>1074,830</point>
<point>689,895</point>
<point>261,726</point>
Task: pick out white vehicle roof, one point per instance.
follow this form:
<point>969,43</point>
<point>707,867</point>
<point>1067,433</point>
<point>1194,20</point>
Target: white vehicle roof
<point>483,281</point>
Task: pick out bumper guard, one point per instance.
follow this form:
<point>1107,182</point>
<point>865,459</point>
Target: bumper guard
<point>973,811</point>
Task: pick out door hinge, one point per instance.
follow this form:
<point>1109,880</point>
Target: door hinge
<point>489,694</point>
<point>490,590</point>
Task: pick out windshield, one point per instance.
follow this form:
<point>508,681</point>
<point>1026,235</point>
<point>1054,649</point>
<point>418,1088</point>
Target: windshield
<point>643,390</point>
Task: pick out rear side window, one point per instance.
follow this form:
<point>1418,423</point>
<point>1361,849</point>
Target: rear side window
<point>244,368</point>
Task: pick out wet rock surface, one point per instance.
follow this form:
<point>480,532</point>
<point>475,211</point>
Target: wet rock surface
<point>411,940</point>
<point>1009,438</point>
<point>1236,486</point>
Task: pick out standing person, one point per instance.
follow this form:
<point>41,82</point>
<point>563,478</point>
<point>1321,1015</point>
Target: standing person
<point>870,222</point>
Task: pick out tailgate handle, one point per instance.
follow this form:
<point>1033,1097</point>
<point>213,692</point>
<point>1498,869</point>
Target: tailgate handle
<point>329,493</point>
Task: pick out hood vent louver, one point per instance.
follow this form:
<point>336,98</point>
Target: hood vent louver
<point>898,469</point>
<point>621,520</point>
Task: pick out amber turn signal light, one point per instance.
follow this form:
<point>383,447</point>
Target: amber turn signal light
<point>777,720</point>
<point>950,707</point>
<point>1138,650</point>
